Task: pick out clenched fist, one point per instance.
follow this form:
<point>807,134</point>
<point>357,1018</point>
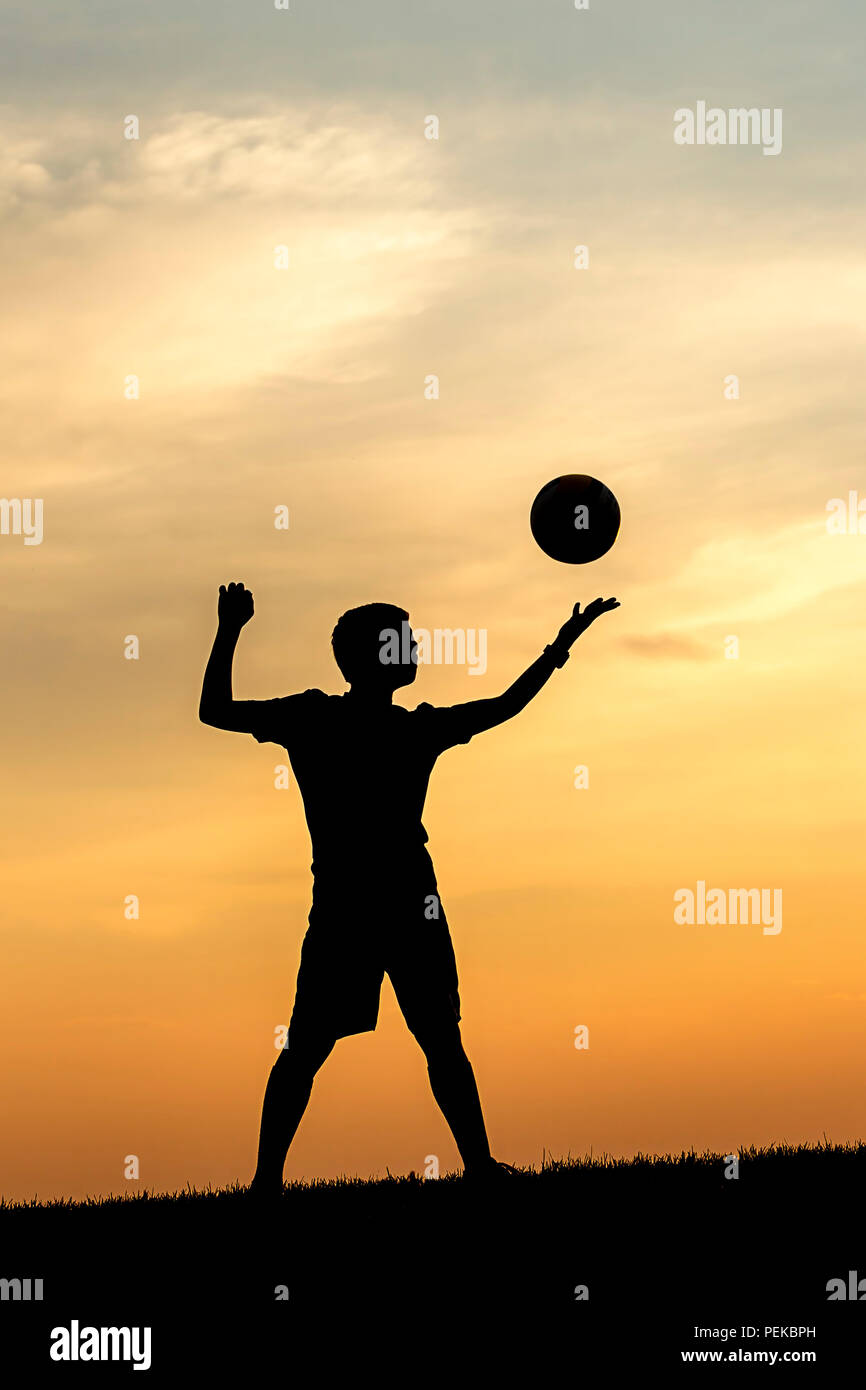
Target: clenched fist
<point>235,606</point>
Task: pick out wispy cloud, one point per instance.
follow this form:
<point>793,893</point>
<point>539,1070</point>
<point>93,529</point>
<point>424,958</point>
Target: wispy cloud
<point>665,646</point>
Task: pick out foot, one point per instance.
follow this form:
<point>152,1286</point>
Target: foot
<point>490,1171</point>
<point>264,1193</point>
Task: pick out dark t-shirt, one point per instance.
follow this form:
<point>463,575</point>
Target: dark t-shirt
<point>363,774</point>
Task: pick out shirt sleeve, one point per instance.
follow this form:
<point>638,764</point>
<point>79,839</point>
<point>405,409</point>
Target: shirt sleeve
<point>275,721</point>
<point>443,726</point>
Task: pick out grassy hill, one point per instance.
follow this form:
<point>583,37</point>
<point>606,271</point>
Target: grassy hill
<point>622,1259</point>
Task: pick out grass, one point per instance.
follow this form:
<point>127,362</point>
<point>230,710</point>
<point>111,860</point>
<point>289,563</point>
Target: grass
<point>774,1163</point>
<point>659,1242</point>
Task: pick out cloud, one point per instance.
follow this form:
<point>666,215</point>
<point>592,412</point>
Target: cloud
<point>664,646</point>
<point>22,178</point>
<point>159,257</point>
<point>317,155</point>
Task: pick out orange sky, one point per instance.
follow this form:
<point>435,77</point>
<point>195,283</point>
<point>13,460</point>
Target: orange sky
<point>305,387</point>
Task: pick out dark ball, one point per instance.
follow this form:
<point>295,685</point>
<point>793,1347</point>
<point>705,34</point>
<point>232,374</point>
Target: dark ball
<point>575,519</point>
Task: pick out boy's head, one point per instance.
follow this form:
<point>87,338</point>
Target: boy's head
<point>374,647</point>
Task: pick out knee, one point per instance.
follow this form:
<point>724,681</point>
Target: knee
<point>441,1043</point>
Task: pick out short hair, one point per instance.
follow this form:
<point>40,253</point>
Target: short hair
<point>357,636</point>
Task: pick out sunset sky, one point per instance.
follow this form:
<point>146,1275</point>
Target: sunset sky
<point>304,387</point>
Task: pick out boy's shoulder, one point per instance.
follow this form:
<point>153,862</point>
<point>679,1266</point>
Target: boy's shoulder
<point>424,711</point>
<point>302,699</point>
<point>444,725</point>
<point>271,721</point>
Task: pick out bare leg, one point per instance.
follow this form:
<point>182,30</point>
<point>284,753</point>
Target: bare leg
<point>286,1095</point>
<point>456,1092</point>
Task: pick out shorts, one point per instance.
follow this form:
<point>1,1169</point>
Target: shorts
<point>357,936</point>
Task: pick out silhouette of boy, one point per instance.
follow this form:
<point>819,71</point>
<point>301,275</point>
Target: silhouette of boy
<point>362,766</point>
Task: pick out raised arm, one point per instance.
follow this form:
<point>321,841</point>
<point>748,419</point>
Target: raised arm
<point>216,707</point>
<point>486,714</point>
